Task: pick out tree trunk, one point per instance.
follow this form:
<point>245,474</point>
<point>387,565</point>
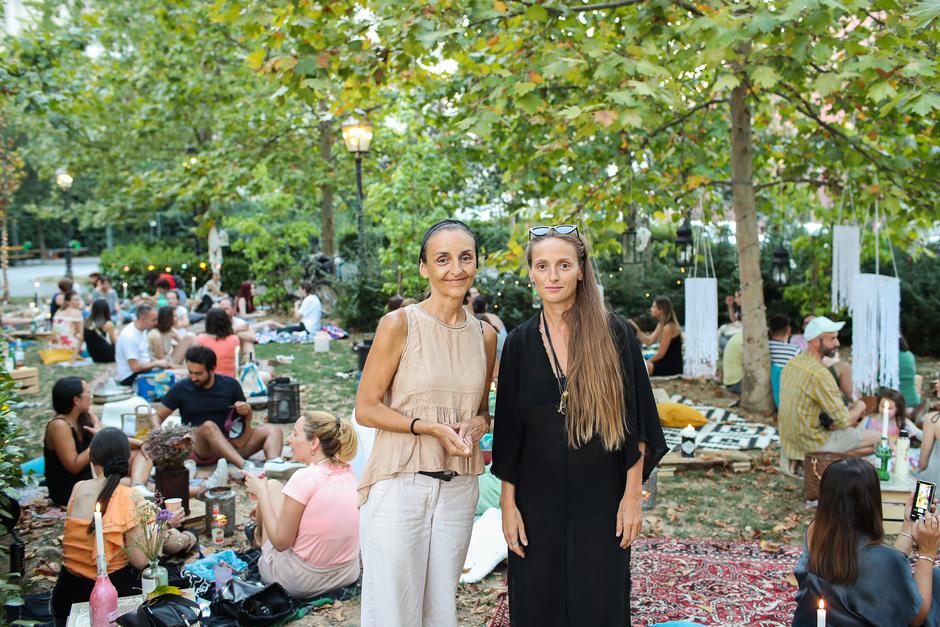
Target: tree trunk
<point>756,391</point>
<point>326,190</point>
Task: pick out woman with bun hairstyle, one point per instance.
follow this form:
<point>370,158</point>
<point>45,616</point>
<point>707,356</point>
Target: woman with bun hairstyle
<point>424,390</point>
<point>110,454</point>
<point>309,528</point>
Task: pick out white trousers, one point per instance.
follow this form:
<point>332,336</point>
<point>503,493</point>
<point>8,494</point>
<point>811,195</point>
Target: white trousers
<point>414,532</point>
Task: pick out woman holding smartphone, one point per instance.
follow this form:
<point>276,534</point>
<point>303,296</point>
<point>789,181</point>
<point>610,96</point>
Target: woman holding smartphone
<point>425,391</point>
<point>845,562</point>
<point>577,433</point>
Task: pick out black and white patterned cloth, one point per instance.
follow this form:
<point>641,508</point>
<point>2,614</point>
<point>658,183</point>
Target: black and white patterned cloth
<point>725,430</point>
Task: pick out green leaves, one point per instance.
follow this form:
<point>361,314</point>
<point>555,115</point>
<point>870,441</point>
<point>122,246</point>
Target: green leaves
<point>765,76</point>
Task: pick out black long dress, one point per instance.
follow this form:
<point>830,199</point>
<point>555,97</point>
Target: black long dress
<point>58,478</point>
<point>574,572</point>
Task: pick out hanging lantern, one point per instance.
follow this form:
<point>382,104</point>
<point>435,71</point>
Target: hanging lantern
<point>628,244</point>
<point>684,245</point>
<point>780,268</point>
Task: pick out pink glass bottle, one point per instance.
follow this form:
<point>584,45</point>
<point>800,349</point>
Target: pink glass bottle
<point>104,598</point>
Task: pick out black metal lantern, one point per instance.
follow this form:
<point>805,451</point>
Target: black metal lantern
<point>780,268</point>
<point>628,245</point>
<point>684,245</point>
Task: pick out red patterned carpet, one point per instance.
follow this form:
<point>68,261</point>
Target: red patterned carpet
<point>708,582</point>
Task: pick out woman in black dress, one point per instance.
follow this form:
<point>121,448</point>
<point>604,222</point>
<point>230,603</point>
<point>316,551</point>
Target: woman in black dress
<point>577,433</point>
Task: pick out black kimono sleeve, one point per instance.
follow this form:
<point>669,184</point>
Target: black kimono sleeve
<point>643,423</point>
<point>507,430</point>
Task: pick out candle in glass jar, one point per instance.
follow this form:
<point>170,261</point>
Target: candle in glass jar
<point>821,614</point>
<point>884,420</point>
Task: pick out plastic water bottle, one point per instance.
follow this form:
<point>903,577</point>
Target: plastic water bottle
<point>902,467</point>
<point>19,356</point>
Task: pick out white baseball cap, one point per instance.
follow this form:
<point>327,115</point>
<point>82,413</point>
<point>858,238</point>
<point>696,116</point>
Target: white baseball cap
<point>818,326</point>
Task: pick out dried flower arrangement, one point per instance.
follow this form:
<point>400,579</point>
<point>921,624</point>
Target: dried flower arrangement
<point>169,447</point>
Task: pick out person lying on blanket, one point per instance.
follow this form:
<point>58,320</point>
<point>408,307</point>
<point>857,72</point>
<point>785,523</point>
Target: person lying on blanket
<point>308,529</point>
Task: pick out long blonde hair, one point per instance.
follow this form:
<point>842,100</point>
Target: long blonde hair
<point>338,439</point>
<point>595,378</point>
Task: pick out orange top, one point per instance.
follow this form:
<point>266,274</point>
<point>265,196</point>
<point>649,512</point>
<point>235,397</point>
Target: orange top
<point>78,546</point>
<point>224,350</point>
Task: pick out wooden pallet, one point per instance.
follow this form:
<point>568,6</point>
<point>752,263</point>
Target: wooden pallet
<point>673,461</point>
<point>26,380</point>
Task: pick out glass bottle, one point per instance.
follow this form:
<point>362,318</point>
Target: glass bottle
<point>103,603</point>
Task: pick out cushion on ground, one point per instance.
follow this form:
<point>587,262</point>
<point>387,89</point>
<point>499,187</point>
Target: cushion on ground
<point>490,488</point>
<point>678,415</point>
<point>487,547</point>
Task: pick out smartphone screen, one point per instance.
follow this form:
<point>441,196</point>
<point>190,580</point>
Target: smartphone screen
<point>923,497</point>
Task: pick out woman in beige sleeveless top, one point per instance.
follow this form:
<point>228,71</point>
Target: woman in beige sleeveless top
<point>424,389</point>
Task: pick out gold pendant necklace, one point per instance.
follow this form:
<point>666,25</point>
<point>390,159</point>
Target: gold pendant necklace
<point>563,404</point>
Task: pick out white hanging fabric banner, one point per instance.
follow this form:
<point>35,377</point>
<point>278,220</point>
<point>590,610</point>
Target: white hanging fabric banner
<point>701,327</point>
<point>876,328</point>
<point>846,256</point>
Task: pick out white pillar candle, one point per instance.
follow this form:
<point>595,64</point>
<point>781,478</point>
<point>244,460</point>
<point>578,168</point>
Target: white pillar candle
<point>125,290</point>
<point>194,288</point>
<point>821,614</point>
<point>99,539</point>
<point>884,420</point>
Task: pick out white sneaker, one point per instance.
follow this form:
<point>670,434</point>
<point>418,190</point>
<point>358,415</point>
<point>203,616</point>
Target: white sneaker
<point>190,465</point>
<point>278,468</point>
<point>219,476</point>
<point>250,468</point>
<point>143,491</point>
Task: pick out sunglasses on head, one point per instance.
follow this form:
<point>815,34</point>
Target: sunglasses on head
<point>561,229</point>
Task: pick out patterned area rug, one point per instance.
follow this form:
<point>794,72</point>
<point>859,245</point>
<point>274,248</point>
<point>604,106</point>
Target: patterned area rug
<point>709,582</point>
<point>725,431</point>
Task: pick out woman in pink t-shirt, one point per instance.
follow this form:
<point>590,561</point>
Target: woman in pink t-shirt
<point>220,337</point>
<point>309,528</point>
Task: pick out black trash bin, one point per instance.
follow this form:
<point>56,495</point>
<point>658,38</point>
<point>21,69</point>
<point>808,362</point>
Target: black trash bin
<point>283,400</point>
<point>362,351</point>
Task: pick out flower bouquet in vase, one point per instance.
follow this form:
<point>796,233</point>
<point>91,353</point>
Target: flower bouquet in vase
<point>154,522</point>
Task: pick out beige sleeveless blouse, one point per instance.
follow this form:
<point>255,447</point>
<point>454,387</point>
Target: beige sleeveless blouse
<point>440,379</point>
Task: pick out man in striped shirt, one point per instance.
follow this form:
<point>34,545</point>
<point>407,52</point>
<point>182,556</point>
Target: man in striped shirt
<point>781,351</point>
<point>808,391</point>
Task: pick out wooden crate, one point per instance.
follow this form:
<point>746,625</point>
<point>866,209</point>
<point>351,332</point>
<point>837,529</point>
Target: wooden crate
<point>26,380</point>
<point>739,462</point>
<point>894,495</point>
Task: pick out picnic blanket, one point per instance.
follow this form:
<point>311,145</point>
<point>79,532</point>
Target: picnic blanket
<point>712,582</point>
<point>725,430</point>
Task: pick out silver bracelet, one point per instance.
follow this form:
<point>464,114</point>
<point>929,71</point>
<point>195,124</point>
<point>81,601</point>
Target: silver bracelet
<point>906,535</point>
<point>927,559</point>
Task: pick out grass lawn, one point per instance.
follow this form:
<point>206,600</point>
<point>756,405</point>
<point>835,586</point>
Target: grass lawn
<point>716,504</point>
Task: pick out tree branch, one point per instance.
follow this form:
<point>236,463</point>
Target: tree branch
<point>680,119</point>
<point>781,181</point>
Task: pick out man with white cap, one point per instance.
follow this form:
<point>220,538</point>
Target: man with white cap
<point>812,415</point>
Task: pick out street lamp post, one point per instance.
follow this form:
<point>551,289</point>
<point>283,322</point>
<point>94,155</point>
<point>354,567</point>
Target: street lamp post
<point>357,135</point>
<point>64,180</point>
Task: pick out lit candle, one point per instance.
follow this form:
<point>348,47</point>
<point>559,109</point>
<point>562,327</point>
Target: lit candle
<point>194,288</point>
<point>124,285</point>
<point>99,538</point>
<point>237,351</point>
<point>821,614</point>
<point>884,420</point>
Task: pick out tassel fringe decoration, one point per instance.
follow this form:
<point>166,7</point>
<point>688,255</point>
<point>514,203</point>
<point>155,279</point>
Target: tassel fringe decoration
<point>876,312</point>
